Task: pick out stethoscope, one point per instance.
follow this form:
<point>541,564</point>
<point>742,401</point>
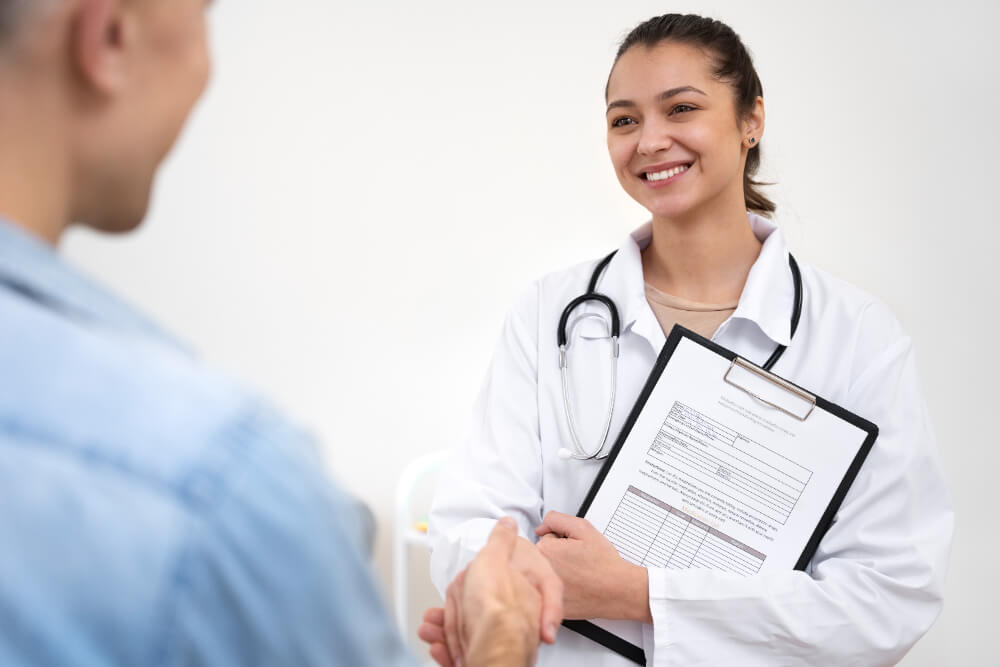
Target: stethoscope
<point>614,330</point>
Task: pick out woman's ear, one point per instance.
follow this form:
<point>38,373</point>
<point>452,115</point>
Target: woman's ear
<point>753,124</point>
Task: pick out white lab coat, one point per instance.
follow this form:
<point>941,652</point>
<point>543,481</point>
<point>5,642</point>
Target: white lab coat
<point>875,584</point>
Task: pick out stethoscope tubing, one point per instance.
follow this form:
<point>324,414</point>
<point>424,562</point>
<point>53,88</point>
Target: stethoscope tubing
<point>582,454</point>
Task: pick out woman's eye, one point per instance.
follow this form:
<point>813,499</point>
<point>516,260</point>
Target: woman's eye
<point>681,108</point>
<point>622,122</point>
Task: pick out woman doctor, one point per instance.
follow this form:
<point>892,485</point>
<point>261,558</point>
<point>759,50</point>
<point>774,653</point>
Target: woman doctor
<point>685,117</point>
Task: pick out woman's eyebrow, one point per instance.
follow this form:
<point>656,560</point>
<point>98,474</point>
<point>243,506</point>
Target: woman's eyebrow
<point>665,95</point>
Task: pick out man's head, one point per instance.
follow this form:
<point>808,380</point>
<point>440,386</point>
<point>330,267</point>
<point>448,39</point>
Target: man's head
<point>103,88</point>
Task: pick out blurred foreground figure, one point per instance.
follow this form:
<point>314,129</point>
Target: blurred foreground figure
<point>151,511</point>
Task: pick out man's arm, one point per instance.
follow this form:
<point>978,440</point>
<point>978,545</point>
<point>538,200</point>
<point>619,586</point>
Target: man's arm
<point>273,571</point>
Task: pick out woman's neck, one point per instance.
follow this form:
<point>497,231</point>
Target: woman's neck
<point>705,258</point>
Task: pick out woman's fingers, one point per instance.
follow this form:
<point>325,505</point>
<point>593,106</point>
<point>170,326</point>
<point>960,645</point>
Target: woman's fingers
<point>432,629</point>
<point>563,525</point>
<point>434,615</point>
<point>432,632</point>
<point>440,655</point>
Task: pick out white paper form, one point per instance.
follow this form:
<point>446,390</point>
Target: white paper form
<point>710,477</point>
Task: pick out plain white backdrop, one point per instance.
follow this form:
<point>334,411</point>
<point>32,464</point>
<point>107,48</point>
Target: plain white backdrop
<point>366,187</point>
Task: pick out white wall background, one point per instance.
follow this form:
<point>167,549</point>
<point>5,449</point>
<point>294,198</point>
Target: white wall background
<point>367,186</point>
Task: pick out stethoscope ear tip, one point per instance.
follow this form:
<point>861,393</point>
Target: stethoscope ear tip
<point>565,454</point>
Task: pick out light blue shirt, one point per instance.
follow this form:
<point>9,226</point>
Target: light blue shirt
<point>153,512</point>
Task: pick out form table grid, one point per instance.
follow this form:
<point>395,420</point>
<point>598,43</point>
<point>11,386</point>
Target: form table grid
<point>649,532</point>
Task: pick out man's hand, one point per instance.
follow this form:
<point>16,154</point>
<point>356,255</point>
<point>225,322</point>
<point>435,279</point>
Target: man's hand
<point>529,561</point>
<point>496,610</point>
<point>598,582</point>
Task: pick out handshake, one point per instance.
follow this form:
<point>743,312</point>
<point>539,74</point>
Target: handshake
<point>499,608</point>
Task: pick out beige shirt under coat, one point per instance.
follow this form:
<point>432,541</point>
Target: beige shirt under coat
<point>702,318</point>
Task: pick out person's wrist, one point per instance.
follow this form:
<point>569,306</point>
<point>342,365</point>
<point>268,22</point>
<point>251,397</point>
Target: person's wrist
<point>505,638</point>
<point>633,594</point>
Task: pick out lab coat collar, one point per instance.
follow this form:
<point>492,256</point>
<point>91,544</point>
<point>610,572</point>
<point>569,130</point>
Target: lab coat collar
<point>766,299</point>
<point>769,294</point>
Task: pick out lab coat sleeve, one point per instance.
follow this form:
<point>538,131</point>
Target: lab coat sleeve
<point>497,470</point>
<point>875,584</point>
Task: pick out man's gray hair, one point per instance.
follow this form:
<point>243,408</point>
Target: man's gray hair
<point>8,10</point>
<point>11,13</point>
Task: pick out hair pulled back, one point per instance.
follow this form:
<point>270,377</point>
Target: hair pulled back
<point>733,65</point>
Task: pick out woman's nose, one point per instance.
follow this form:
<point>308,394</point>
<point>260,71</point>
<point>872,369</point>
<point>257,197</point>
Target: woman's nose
<point>654,137</point>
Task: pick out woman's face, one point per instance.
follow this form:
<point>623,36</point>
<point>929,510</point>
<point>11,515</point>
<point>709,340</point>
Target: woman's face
<point>675,141</point>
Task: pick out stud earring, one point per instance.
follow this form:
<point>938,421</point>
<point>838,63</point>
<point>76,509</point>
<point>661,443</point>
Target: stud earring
<point>752,141</point>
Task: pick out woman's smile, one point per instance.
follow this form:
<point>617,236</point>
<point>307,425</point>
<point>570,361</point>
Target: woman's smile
<point>658,176</point>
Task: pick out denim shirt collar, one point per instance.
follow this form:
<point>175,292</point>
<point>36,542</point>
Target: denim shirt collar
<point>34,270</point>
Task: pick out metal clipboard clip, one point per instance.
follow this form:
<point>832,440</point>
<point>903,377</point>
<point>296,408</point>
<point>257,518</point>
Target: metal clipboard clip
<point>770,389</point>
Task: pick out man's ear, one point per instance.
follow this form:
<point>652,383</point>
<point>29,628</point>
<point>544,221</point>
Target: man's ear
<point>98,36</point>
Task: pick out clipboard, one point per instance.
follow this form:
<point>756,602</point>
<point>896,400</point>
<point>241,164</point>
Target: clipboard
<point>764,387</point>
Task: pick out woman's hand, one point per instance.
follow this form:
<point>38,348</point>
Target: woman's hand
<point>597,582</point>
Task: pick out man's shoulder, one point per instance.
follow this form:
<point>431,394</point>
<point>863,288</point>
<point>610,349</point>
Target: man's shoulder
<point>103,396</point>
<point>154,501</point>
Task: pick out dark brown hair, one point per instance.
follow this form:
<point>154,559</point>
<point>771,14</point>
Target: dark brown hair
<point>733,65</point>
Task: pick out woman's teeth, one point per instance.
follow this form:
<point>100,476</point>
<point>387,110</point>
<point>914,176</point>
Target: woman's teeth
<point>662,175</point>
